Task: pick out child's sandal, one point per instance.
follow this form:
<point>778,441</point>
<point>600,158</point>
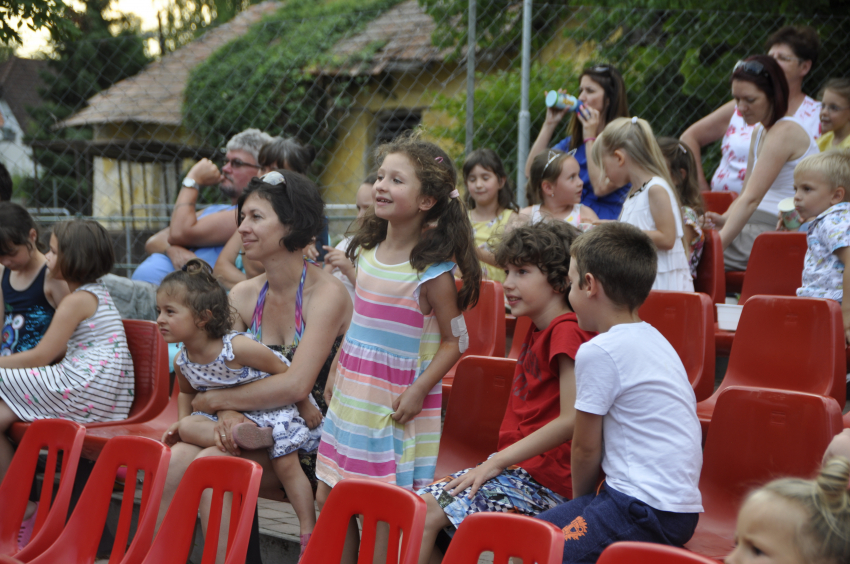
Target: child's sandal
<point>251,437</point>
<point>304,540</point>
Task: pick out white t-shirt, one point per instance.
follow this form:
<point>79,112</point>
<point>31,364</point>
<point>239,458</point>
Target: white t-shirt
<point>735,147</point>
<point>343,246</point>
<point>652,438</point>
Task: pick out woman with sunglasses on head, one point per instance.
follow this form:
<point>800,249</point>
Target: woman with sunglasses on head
<point>796,51</point>
<point>602,93</point>
<point>294,307</point>
<point>779,142</point>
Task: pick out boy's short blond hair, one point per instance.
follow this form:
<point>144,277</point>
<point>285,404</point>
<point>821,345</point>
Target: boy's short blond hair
<point>833,165</point>
<point>622,258</point>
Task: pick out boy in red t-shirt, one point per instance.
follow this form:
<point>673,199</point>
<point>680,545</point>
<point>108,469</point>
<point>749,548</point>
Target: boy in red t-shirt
<point>531,471</point>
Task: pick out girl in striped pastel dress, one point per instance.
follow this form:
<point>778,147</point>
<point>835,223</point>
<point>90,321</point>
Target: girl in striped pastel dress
<point>407,331</point>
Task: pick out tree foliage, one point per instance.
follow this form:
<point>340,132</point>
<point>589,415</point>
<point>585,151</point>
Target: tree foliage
<point>185,20</point>
<point>35,14</point>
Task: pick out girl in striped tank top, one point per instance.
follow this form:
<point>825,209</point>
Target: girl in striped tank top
<point>407,331</point>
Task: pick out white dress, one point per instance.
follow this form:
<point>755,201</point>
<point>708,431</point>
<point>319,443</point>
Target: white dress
<point>674,273</point>
<point>573,219</point>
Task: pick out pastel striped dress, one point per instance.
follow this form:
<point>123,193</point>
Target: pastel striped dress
<point>388,345</point>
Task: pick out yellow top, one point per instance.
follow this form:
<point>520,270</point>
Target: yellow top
<point>487,235</point>
<point>825,142</point>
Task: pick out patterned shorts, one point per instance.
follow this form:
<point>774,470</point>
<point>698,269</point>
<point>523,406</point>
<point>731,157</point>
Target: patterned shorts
<point>512,491</point>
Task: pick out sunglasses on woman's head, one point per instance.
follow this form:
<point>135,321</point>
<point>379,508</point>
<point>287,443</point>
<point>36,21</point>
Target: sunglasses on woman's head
<point>601,69</point>
<point>274,178</point>
<point>754,68</point>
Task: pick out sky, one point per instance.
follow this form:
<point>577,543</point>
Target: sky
<point>146,10</point>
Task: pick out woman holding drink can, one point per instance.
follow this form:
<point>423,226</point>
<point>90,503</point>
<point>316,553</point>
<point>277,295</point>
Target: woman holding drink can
<point>602,97</point>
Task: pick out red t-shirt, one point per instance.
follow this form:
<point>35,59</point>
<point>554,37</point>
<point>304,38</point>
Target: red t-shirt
<point>536,399</point>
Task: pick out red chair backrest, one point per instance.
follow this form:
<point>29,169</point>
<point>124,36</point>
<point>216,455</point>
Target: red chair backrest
<point>81,537</point>
<point>486,321</point>
<point>55,435</point>
<point>757,435</point>
<point>223,474</point>
<point>718,202</point>
<point>150,368</point>
<point>711,278</point>
<point>630,552</point>
<point>521,328</point>
<point>794,344</point>
<point>474,415</point>
<point>686,320</point>
<point>402,510</point>
<point>776,265</point>
<point>506,535</point>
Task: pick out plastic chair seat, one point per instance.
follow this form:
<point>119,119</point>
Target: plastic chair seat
<point>685,319</point>
<point>784,343</point>
<point>150,377</point>
<point>757,435</point>
<point>55,435</point>
<point>630,552</point>
<point>79,542</point>
<point>506,535</point>
<point>402,510</point>
<point>718,202</point>
<point>486,325</point>
<point>473,418</point>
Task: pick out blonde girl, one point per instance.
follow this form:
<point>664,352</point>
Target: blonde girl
<point>407,331</point>
<point>192,309</point>
<point>797,521</point>
<point>81,369</point>
<point>556,186</point>
<point>29,293</point>
<point>628,152</point>
<point>683,171</point>
<point>835,115</point>
<point>490,198</point>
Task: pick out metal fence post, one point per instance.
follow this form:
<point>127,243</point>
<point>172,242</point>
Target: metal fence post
<point>470,78</point>
<point>524,114</point>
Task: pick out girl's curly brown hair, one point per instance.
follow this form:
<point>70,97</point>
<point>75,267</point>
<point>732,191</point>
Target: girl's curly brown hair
<point>449,234</point>
<point>203,295</point>
<point>545,245</point>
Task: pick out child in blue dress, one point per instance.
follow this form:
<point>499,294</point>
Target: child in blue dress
<point>193,310</point>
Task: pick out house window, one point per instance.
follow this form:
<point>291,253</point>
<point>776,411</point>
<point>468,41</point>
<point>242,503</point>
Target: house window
<point>7,134</point>
<point>392,124</point>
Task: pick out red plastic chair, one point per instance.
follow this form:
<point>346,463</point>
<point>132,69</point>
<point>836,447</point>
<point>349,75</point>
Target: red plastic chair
<point>471,428</point>
<point>718,202</point>
<point>55,435</point>
<point>403,510</point>
<point>756,436</point>
<point>506,535</point>
<point>97,438</point>
<point>486,325</point>
<point>521,329</point>
<point>783,343</point>
<point>9,560</point>
<point>629,552</point>
<point>173,542</point>
<point>150,369</point>
<point>710,275</point>
<point>687,322</point>
<point>79,542</point>
<point>735,281</point>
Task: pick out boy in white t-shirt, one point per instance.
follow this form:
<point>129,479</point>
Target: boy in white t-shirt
<point>635,410</point>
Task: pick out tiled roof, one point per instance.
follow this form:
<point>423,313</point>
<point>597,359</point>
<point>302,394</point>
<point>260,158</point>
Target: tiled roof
<point>405,31</point>
<point>155,95</point>
<point>20,82</point>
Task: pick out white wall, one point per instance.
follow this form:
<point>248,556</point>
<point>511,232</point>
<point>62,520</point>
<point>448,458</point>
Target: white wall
<point>15,156</point>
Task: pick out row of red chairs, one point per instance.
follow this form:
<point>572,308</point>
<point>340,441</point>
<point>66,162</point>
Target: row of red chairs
<point>56,542</point>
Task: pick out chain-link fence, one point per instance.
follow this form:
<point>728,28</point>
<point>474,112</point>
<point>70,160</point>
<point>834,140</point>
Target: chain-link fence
<point>114,133</point>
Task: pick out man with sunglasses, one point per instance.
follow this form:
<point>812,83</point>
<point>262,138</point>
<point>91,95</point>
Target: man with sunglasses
<point>203,234</point>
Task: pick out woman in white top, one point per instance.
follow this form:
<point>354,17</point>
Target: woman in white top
<point>796,51</point>
<point>778,144</point>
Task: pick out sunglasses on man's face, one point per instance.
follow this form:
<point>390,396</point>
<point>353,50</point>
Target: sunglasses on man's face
<point>236,163</point>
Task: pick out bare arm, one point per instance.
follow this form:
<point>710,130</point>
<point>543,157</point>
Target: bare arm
<point>441,294</point>
<point>664,235</point>
<point>158,243</point>
<point>225,267</point>
<point>843,255</point>
<point>707,130</point>
<point>780,145</point>
<point>248,352</point>
<point>544,439</point>
<point>553,118</point>
<point>55,290</point>
<point>186,228</point>
<point>328,318</point>
<point>586,453</point>
<point>73,309</point>
<point>588,215</point>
